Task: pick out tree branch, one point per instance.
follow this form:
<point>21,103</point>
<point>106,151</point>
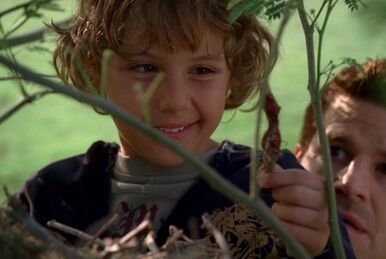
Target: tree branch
<point>26,100</point>
<point>317,107</point>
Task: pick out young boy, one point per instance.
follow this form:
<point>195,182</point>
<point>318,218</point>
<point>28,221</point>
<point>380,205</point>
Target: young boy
<point>209,66</point>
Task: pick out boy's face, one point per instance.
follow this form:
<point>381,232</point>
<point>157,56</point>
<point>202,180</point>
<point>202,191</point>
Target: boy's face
<point>357,138</point>
<point>187,105</point>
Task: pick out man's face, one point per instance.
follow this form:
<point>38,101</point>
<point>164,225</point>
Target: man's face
<point>187,105</point>
<point>357,135</point>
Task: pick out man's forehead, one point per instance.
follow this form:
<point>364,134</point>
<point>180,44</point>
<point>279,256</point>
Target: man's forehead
<point>356,120</point>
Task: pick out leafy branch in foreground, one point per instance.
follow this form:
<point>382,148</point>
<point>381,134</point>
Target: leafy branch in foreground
<point>30,9</point>
<point>212,178</point>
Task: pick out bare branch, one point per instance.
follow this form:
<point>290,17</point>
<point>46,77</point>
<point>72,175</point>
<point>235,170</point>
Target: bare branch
<point>150,242</point>
<point>106,225</point>
<point>141,227</point>
<point>74,232</point>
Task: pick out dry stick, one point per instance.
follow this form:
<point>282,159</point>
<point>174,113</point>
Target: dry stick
<point>150,242</point>
<point>254,189</point>
<point>175,235</point>
<point>74,232</point>
<point>220,240</point>
<point>146,224</point>
<point>215,180</point>
<point>316,104</point>
<point>102,229</point>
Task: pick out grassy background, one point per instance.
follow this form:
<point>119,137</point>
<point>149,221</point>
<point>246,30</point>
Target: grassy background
<point>56,127</point>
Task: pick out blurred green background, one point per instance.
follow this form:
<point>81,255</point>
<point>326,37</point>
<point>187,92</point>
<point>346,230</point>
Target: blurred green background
<point>55,127</point>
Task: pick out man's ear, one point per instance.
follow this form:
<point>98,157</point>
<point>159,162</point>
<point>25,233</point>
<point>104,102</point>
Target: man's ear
<point>298,151</point>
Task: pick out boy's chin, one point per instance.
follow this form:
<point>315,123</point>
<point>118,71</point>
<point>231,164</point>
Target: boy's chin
<point>167,160</point>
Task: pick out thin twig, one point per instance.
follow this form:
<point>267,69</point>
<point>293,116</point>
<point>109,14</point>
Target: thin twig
<point>321,31</point>
<point>218,236</point>
<point>73,231</point>
<point>315,19</point>
<point>145,225</point>
<point>174,234</point>
<point>16,7</point>
<point>26,100</point>
<point>150,242</point>
<point>28,37</point>
<point>102,229</point>
<point>16,26</point>
<point>10,78</point>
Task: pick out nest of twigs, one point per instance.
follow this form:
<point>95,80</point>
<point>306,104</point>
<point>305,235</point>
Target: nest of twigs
<point>22,237</point>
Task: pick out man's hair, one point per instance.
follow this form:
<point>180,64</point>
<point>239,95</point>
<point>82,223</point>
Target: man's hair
<point>133,25</point>
<point>366,82</point>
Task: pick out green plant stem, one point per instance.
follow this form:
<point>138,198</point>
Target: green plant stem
<point>213,178</point>
<point>321,31</point>
<point>16,26</point>
<point>318,14</point>
<point>316,104</point>
<point>28,37</point>
<point>15,8</point>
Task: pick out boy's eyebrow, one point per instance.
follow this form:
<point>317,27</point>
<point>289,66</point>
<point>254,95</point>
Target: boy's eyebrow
<point>209,56</point>
<point>219,57</point>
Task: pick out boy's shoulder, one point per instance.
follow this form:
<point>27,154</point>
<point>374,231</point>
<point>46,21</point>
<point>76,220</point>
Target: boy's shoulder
<point>68,185</point>
<point>231,158</point>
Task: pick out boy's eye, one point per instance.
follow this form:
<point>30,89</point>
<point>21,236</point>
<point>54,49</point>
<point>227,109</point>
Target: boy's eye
<point>144,68</point>
<point>202,71</point>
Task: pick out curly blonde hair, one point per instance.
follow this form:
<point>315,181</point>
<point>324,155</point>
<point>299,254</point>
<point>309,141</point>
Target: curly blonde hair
<point>137,24</point>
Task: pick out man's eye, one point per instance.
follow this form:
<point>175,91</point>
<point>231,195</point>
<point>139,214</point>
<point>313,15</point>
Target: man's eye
<point>338,153</point>
<point>144,68</point>
<point>381,167</point>
<point>202,71</point>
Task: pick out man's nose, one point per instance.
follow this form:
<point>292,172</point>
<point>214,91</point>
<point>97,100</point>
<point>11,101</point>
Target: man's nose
<point>173,94</point>
<point>354,181</point>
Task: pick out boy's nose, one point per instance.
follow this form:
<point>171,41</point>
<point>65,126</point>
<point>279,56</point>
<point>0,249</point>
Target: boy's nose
<point>354,181</point>
<point>173,94</point>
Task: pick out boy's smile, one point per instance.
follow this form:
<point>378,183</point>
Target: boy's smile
<point>187,105</point>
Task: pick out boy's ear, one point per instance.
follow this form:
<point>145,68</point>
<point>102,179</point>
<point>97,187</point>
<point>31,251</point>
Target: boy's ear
<point>298,151</point>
